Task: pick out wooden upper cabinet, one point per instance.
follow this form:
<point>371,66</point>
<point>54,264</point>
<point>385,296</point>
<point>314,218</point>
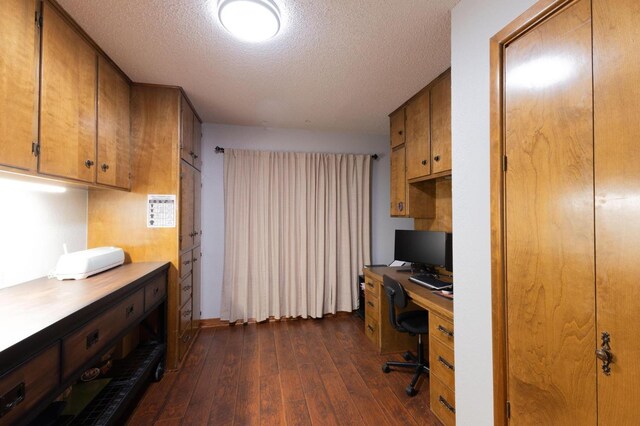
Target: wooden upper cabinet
<point>398,183</point>
<point>417,138</point>
<point>186,206</point>
<point>197,143</point>
<point>18,89</point>
<point>114,95</point>
<point>68,101</point>
<point>396,120</point>
<point>186,134</point>
<point>441,124</point>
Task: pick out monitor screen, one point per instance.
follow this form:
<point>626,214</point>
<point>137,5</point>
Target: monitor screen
<point>424,247</point>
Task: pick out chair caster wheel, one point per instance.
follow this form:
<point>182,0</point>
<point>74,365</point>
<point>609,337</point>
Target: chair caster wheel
<point>159,371</point>
<point>407,356</point>
<point>411,391</point>
<point>385,368</point>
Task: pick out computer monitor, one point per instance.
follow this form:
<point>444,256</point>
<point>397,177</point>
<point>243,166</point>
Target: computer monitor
<point>428,248</point>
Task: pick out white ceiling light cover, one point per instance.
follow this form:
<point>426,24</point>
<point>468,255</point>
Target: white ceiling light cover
<point>250,20</point>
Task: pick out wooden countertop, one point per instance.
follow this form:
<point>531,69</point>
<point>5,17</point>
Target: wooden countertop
<point>421,296</point>
<point>28,309</point>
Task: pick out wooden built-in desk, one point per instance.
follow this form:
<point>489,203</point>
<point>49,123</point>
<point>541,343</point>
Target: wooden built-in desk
<point>440,346</point>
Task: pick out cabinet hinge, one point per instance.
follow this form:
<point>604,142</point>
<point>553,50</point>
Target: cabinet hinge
<point>39,21</point>
<point>35,149</point>
<point>504,163</point>
<point>508,410</point>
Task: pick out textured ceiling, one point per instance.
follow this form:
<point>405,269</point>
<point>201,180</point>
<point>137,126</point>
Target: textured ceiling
<point>336,64</point>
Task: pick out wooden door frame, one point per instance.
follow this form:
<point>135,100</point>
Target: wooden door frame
<point>537,13</point>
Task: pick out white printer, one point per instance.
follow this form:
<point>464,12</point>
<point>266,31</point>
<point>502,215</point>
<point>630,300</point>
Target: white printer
<point>82,264</point>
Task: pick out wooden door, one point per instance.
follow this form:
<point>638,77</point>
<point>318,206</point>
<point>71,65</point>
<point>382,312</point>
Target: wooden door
<point>114,95</point>
<point>441,124</point>
<point>197,291</point>
<point>396,122</point>
<point>418,138</point>
<point>549,223</point>
<point>398,183</point>
<point>197,205</point>
<point>186,206</point>
<point>186,135</point>
<point>616,68</point>
<point>197,143</point>
<point>18,85</point>
<point>68,101</point>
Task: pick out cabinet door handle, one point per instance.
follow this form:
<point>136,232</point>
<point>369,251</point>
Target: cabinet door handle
<point>371,328</point>
<point>156,291</point>
<point>93,338</point>
<point>186,314</point>
<point>186,262</point>
<point>424,162</point>
<point>13,397</point>
<point>186,338</point>
<point>400,132</point>
<point>436,158</point>
<point>443,330</point>
<point>104,167</point>
<point>129,311</point>
<point>370,304</point>
<point>446,404</point>
<point>445,363</point>
<point>186,288</point>
<point>370,284</point>
<point>400,206</point>
<point>88,164</point>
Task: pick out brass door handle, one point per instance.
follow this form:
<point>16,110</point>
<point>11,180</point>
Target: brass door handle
<point>604,353</point>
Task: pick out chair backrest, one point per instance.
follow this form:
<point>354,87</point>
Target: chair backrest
<point>397,297</point>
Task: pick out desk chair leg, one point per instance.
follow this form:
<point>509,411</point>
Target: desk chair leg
<point>420,367</point>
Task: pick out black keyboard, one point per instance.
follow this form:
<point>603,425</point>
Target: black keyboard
<point>429,281</point>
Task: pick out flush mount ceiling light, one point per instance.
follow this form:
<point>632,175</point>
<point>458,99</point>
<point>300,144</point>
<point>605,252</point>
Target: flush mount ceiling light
<point>250,20</point>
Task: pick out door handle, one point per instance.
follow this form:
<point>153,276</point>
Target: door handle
<point>604,353</point>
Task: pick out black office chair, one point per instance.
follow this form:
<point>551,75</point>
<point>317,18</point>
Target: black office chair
<point>412,322</point>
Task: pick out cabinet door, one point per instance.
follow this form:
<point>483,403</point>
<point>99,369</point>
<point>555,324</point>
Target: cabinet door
<point>186,136</point>
<point>68,101</point>
<point>197,205</point>
<point>549,231</point>
<point>18,89</point>
<point>113,126</point>
<point>616,70</point>
<point>197,143</point>
<point>186,206</point>
<point>417,142</point>
<point>441,125</point>
<point>398,183</point>
<point>396,122</point>
<point>197,291</point>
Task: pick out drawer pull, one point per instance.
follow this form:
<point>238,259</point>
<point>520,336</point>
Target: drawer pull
<point>186,288</point>
<point>186,262</point>
<point>445,363</point>
<point>196,259</point>
<point>371,328</point>
<point>9,400</point>
<point>446,404</point>
<point>370,304</point>
<point>370,284</point>
<point>186,338</point>
<point>443,330</point>
<point>93,338</point>
<point>129,311</point>
<point>186,313</point>
<point>156,291</point>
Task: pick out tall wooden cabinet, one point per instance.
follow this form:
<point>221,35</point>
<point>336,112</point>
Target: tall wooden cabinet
<point>571,215</point>
<point>162,120</point>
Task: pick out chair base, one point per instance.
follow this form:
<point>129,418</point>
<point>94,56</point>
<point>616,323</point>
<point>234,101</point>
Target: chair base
<point>416,363</point>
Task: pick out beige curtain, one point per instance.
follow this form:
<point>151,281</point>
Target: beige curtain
<point>297,233</point>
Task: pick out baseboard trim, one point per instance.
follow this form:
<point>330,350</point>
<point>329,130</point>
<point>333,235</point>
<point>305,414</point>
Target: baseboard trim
<point>213,322</point>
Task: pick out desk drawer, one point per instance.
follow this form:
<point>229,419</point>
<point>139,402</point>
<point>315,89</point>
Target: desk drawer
<point>186,314</point>
<point>371,329</point>
<point>27,384</point>
<point>443,403</point>
<point>186,264</point>
<point>442,362</point>
<point>85,343</point>
<point>371,305</point>
<point>186,288</point>
<point>154,291</point>
<point>372,286</point>
<point>441,329</point>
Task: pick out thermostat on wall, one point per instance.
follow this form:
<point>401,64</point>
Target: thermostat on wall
<point>82,264</point>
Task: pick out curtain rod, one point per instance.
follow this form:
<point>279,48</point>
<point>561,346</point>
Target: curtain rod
<point>220,150</point>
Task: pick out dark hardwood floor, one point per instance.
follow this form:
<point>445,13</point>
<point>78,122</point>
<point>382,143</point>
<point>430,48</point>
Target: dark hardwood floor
<point>320,372</point>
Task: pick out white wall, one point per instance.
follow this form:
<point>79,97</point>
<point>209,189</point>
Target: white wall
<point>474,22</point>
<point>33,227</point>
<point>267,139</point>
